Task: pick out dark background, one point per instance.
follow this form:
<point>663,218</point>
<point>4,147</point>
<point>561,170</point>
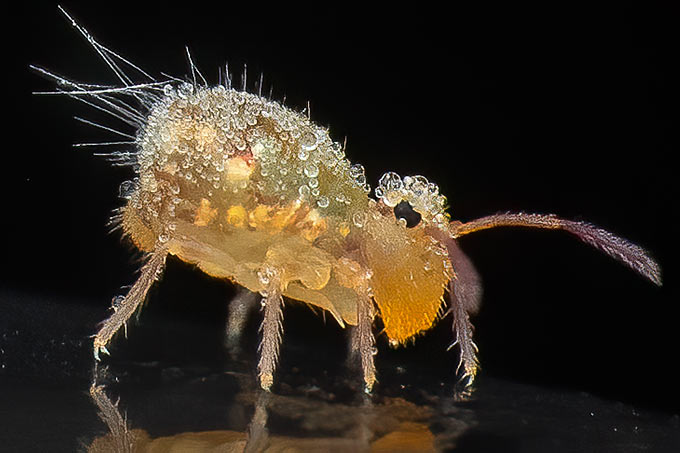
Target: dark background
<point>566,111</point>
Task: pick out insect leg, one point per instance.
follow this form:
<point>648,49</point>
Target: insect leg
<point>151,271</point>
<point>462,330</point>
<point>362,340</point>
<point>465,293</point>
<point>240,308</point>
<point>271,327</point>
<point>618,248</point>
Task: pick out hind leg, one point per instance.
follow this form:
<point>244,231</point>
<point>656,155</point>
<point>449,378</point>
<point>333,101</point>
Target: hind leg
<point>151,271</point>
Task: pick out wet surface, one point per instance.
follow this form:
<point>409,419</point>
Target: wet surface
<point>153,408</point>
<point>196,398</point>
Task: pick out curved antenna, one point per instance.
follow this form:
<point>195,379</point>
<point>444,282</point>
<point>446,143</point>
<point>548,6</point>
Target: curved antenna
<point>618,248</point>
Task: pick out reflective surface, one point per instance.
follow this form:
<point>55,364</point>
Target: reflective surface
<point>196,399</point>
<point>168,409</point>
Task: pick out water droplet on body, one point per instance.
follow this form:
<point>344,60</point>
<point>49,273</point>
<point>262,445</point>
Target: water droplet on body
<point>126,189</point>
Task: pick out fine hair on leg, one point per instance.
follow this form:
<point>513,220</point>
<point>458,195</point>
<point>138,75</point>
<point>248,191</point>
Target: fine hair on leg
<point>272,326</point>
<point>149,274</point>
<point>465,294</point>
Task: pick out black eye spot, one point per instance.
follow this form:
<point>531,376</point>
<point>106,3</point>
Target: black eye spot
<point>405,211</point>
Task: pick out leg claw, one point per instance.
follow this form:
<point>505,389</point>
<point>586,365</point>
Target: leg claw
<point>98,349</point>
<point>369,382</point>
<point>266,381</point>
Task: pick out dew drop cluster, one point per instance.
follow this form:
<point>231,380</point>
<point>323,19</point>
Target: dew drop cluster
<point>422,195</point>
<point>238,148</point>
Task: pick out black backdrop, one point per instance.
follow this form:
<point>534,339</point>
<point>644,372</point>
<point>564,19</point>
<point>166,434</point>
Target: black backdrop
<point>569,111</point>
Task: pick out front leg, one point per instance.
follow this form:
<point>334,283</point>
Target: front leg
<point>272,325</point>
<point>150,273</point>
<point>465,294</point>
